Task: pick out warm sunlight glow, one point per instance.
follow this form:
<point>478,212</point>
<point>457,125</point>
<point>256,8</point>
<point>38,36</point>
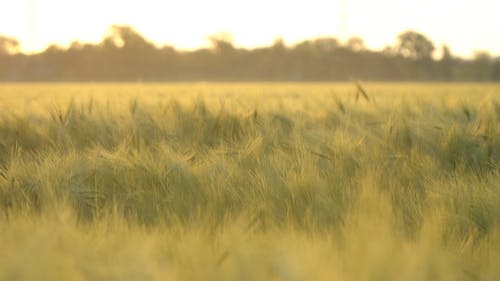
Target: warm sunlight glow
<point>464,25</point>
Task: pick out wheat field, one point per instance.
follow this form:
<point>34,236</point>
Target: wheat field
<point>254,181</point>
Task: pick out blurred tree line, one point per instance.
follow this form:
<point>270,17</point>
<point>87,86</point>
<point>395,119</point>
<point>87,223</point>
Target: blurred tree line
<point>125,55</point>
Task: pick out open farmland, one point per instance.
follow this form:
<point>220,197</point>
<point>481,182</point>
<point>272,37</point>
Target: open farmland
<point>249,181</point>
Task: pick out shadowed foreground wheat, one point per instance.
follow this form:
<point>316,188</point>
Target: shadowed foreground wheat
<point>249,182</point>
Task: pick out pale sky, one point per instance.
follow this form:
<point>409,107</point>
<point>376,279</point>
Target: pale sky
<point>464,25</point>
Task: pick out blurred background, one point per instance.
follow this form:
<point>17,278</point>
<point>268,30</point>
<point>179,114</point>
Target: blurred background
<point>222,40</point>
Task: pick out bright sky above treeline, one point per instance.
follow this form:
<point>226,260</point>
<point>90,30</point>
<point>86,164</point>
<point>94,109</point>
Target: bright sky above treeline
<point>464,25</point>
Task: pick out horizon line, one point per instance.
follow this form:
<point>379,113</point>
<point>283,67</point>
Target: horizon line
<point>159,45</point>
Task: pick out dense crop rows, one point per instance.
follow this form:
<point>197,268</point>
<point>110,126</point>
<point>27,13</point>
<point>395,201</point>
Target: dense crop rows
<point>250,182</point>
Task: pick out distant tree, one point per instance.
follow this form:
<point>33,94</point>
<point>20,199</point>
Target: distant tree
<point>76,46</point>
<point>495,70</point>
<point>482,66</point>
<point>446,64</point>
<point>355,44</point>
<point>482,56</point>
<point>279,45</point>
<point>8,45</point>
<point>222,42</point>
<point>414,45</point>
<point>8,65</point>
<point>125,55</point>
<point>126,37</point>
<point>326,45</point>
<point>446,54</point>
<point>389,51</point>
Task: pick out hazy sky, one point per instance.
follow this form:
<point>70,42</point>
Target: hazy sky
<point>464,25</point>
